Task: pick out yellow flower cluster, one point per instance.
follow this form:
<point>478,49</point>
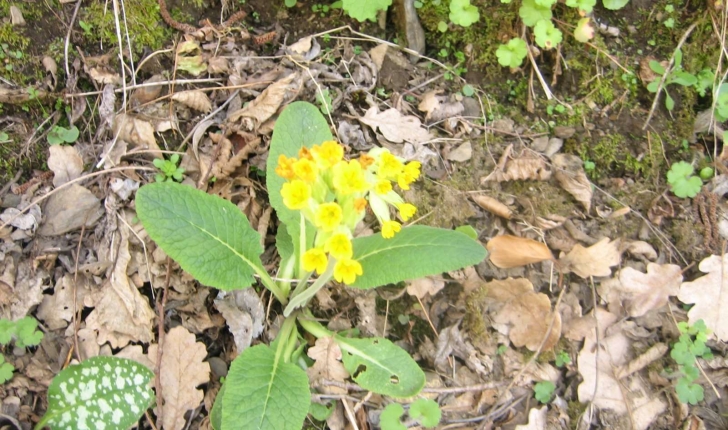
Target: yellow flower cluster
<point>332,193</point>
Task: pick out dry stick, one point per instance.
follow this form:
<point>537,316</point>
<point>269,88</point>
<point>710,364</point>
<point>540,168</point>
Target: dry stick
<point>15,179</point>
<point>121,53</point>
<point>69,183</point>
<point>668,69</point>
<point>160,341</point>
<point>68,37</point>
<point>538,351</point>
<point>349,413</point>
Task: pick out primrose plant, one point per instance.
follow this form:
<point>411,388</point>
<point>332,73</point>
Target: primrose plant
<point>320,196</point>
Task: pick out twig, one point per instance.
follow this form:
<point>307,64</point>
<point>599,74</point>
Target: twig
<point>68,36</point>
<point>160,341</point>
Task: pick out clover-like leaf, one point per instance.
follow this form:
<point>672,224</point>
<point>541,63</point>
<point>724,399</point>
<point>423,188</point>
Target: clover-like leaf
<point>391,417</point>
<point>689,392</point>
<point>614,4</point>
<point>584,6</point>
<point>7,331</point>
<point>544,390</point>
<point>531,13</point>
<point>59,135</point>
<point>547,35</point>
<point>545,3</point>
<point>426,411</point>
<point>681,181</point>
<point>512,54</point>
<point>6,370</point>
<point>462,13</point>
<point>101,392</point>
<point>364,10</point>
<point>27,333</point>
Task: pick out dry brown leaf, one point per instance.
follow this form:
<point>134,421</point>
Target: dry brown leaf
<point>536,419</point>
<point>709,293</point>
<point>396,127</point>
<point>493,206</point>
<point>65,162</point>
<point>57,309</point>
<point>593,261</point>
<point>526,166</point>
<point>642,292</point>
<point>264,106</point>
<point>136,131</point>
<point>429,103</point>
<point>195,99</point>
<point>244,313</point>
<point>68,209</point>
<point>149,92</point>
<point>508,251</point>
<point>181,371</point>
<point>525,315</point>
<point>462,153</point>
<point>569,172</point>
<point>424,286</point>
<point>328,365</point>
<point>51,67</point>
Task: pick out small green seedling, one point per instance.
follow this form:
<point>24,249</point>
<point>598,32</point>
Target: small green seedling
<point>468,90</point>
<point>170,171</point>
<point>706,173</point>
<point>562,359</point>
<point>364,10</point>
<point>501,349</point>
<point>512,54</point>
<point>425,412</point>
<point>59,135</point>
<point>463,13</point>
<point>87,28</point>
<point>544,390</point>
<point>690,346</point>
<point>4,138</point>
<point>24,332</point>
<point>547,35</point>
<point>676,75</point>
<point>323,98</point>
<point>682,182</point>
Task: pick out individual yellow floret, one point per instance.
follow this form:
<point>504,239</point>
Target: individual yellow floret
<point>409,174</point>
<point>389,228</point>
<point>328,154</point>
<point>383,186</point>
<point>305,153</point>
<point>305,170</point>
<point>389,166</point>
<point>315,259</point>
<point>328,216</point>
<point>339,246</point>
<point>406,210</point>
<point>296,194</point>
<point>366,160</point>
<point>349,177</point>
<point>347,270</point>
<point>360,204</point>
<point>285,167</point>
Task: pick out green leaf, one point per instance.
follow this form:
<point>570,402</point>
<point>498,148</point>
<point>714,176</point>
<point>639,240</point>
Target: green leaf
<point>378,365</point>
<point>468,90</point>
<point>7,331</point>
<point>689,187</point>
<point>688,392</point>
<point>683,78</point>
<point>463,13</point>
<point>426,411</point>
<point>468,230</point>
<point>544,390</point>
<point>58,135</point>
<point>512,54</point>
<point>365,10</point>
<point>545,3</point>
<point>669,102</point>
<point>614,4</point>
<point>27,335</point>
<point>652,86</point>
<point>263,392</point>
<point>584,5</point>
<point>216,412</point>
<point>290,3</point>
<point>391,417</point>
<point>6,370</point>
<point>320,412</point>
<point>547,35</point>
<point>442,26</point>
<point>584,31</point>
<point>657,67</point>
<point>531,13</point>
<point>101,392</point>
<point>284,243</point>
<point>208,236</point>
<point>412,253</point>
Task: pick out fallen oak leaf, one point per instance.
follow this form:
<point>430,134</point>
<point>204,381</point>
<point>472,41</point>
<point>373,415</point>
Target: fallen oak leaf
<point>396,127</point>
<point>709,293</point>
<point>642,292</point>
<point>593,261</point>
<point>508,251</point>
<point>327,365</point>
<point>569,173</point>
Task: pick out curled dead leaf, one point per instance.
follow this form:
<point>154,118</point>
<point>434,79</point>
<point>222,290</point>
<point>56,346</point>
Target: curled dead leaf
<point>593,261</point>
<point>525,166</point>
<point>195,99</point>
<point>137,132</point>
<point>569,172</point>
<point>493,206</point>
<point>396,127</point>
<point>508,251</point>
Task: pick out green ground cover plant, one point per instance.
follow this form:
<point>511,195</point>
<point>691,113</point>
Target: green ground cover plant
<point>685,352</point>
<point>24,332</point>
<point>682,182</point>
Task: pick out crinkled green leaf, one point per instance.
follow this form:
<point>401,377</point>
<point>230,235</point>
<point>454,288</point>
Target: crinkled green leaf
<point>391,417</point>
<point>689,392</point>
<point>378,365</point>
<point>512,54</point>
<point>531,13</point>
<point>463,13</point>
<point>414,252</point>
<point>614,4</point>
<point>100,393</point>
<point>208,236</point>
<point>363,10</point>
<point>426,411</point>
<point>264,393</point>
<point>547,35</point>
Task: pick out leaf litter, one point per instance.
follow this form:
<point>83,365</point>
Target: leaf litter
<point>103,299</point>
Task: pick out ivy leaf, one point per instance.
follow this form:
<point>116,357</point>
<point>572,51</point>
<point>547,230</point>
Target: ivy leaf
<point>208,236</point>
<point>512,54</point>
<point>378,365</point>
<point>462,12</point>
<point>365,10</point>
<point>391,417</point>
<point>415,252</point>
<point>101,392</point>
<point>531,13</point>
<point>614,4</point>
<point>547,35</point>
<point>426,411</point>
<point>585,6</point>
<point>584,30</point>
<point>265,393</point>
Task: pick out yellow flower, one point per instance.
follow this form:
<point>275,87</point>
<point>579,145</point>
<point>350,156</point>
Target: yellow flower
<point>349,177</point>
<point>328,154</point>
<point>383,186</point>
<point>295,194</point>
<point>305,153</point>
<point>285,167</point>
<point>409,174</point>
<point>315,259</point>
<point>328,216</point>
<point>339,246</point>
<point>406,210</point>
<point>347,270</point>
<point>389,228</point>
<point>306,170</point>
<point>389,165</point>
<point>360,204</point>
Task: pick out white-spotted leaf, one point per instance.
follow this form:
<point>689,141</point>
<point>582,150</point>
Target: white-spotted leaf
<point>415,252</point>
<point>378,365</point>
<point>101,393</point>
<point>208,236</point>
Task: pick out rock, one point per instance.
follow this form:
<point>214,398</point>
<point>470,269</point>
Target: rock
<point>218,367</point>
<point>408,24</point>
<point>539,144</point>
<point>16,16</point>
<point>564,132</point>
<point>472,107</point>
<point>503,124</point>
<point>68,209</point>
<point>554,146</point>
